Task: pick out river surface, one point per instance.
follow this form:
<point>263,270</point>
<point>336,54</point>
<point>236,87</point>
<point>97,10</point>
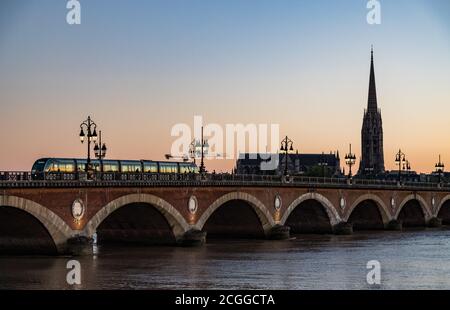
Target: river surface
<point>409,260</point>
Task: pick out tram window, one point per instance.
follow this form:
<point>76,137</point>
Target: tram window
<point>150,167</point>
<point>184,169</point>
<point>54,167</point>
<point>168,168</point>
<point>70,168</point>
<point>110,168</point>
<point>38,166</point>
<point>131,167</point>
<point>61,167</point>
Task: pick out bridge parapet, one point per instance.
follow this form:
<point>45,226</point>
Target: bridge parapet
<point>74,180</point>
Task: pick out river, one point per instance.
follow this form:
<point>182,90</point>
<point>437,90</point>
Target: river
<point>409,260</point>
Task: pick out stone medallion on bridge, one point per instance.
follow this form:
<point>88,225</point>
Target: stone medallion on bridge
<point>193,204</point>
<point>277,202</point>
<point>342,203</point>
<point>77,210</point>
<point>393,203</point>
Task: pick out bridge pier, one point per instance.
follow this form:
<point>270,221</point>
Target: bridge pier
<point>193,237</point>
<point>343,228</point>
<point>279,232</point>
<point>394,225</point>
<point>78,245</point>
<point>434,222</point>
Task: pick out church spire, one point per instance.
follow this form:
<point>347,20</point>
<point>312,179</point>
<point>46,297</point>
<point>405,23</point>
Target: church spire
<point>372,101</point>
<point>372,156</point>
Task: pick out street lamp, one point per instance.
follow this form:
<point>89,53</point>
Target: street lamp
<point>203,145</point>
<point>350,160</point>
<point>88,131</point>
<point>323,163</point>
<point>400,160</point>
<point>100,150</point>
<point>407,166</point>
<point>440,168</point>
<point>192,153</point>
<point>286,146</point>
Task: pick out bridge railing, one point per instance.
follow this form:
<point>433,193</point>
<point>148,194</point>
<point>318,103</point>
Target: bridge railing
<point>25,178</point>
<point>15,176</point>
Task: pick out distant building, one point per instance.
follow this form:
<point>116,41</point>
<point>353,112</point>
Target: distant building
<point>372,154</point>
<point>298,164</point>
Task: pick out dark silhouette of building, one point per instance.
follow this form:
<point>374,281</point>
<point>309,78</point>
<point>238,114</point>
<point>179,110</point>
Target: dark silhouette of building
<point>327,165</point>
<point>372,155</point>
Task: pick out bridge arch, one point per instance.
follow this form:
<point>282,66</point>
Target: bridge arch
<point>382,208</point>
<point>423,205</point>
<point>331,211</point>
<point>441,204</point>
<point>176,221</point>
<point>262,212</point>
<point>58,230</point>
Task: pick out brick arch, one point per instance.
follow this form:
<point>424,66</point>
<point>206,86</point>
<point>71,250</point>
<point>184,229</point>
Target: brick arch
<point>384,210</point>
<point>56,227</point>
<point>263,213</point>
<point>423,204</point>
<point>441,204</point>
<point>176,221</point>
<point>333,215</point>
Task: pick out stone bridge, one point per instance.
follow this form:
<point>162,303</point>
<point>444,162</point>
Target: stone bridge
<point>62,217</point>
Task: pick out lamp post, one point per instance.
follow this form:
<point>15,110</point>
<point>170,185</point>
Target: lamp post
<point>286,146</point>
<point>350,160</point>
<point>192,153</point>
<point>440,168</point>
<point>100,150</point>
<point>203,145</point>
<point>400,160</point>
<point>407,166</point>
<point>91,134</point>
<point>323,163</point>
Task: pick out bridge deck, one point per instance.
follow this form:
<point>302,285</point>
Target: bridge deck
<point>64,180</point>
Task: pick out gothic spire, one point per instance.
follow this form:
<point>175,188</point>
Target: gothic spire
<point>372,101</point>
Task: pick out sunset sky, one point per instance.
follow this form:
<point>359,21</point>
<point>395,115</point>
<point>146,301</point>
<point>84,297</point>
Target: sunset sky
<point>140,67</point>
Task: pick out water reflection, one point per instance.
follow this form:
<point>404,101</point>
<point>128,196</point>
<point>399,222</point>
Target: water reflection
<point>411,259</point>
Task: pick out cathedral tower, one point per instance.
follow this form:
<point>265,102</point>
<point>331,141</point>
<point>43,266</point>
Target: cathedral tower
<point>372,155</point>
